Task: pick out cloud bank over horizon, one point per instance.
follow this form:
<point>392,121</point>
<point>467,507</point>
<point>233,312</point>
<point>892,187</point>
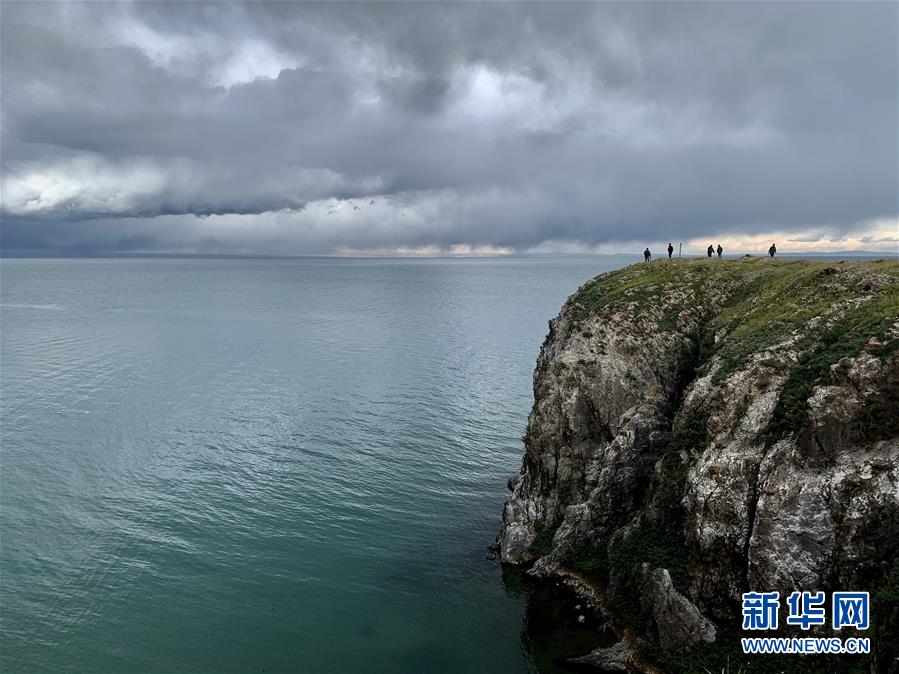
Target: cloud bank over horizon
<point>423,128</point>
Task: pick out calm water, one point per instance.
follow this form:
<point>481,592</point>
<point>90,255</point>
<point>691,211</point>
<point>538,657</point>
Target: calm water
<point>268,465</point>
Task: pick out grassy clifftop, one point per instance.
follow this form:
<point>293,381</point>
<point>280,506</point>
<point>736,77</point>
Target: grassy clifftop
<point>757,303</point>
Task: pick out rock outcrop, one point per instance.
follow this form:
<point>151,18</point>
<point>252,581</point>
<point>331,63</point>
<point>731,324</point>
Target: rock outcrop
<point>705,428</point>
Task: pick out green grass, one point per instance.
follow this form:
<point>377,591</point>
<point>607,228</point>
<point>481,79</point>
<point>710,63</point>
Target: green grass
<point>779,304</point>
<point>543,541</point>
<point>825,348</point>
<point>668,322</point>
<point>879,417</point>
<point>756,303</point>
<point>592,561</point>
<point>643,288</point>
<point>690,435</point>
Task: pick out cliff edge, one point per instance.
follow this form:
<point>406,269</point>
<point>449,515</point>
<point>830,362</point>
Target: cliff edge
<point>704,428</point>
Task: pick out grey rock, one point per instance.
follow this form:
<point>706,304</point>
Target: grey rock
<point>679,623</point>
<point>617,658</point>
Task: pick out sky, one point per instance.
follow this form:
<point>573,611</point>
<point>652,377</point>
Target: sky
<point>432,129</point>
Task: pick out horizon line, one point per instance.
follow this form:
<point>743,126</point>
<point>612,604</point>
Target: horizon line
<point>63,255</point>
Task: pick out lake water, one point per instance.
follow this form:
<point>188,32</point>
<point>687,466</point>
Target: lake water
<point>249,465</point>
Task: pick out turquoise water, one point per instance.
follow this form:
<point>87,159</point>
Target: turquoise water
<point>269,465</point>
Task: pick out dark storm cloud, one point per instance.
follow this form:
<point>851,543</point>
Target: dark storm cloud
<point>312,128</point>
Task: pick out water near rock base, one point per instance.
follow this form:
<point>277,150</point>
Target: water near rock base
<point>269,465</point>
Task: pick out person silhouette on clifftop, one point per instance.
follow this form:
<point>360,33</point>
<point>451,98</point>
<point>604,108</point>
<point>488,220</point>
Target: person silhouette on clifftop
<point>710,251</point>
<point>670,250</point>
<point>772,250</point>
<point>647,256</point>
<point>720,250</point>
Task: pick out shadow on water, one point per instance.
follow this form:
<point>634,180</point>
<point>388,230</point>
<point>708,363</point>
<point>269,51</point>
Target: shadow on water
<point>551,633</point>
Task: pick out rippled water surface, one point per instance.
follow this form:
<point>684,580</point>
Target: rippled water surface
<point>266,465</point>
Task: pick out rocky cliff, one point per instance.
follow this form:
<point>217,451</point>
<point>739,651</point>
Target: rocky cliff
<point>704,428</point>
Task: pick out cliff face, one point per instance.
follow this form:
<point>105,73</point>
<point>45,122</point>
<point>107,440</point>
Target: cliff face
<point>705,428</point>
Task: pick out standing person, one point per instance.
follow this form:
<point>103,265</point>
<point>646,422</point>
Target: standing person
<point>670,250</point>
<point>772,250</point>
<point>647,256</point>
<point>720,250</point>
<point>709,251</point>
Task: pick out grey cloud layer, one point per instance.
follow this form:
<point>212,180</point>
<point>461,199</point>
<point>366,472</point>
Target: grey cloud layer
<point>306,128</point>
